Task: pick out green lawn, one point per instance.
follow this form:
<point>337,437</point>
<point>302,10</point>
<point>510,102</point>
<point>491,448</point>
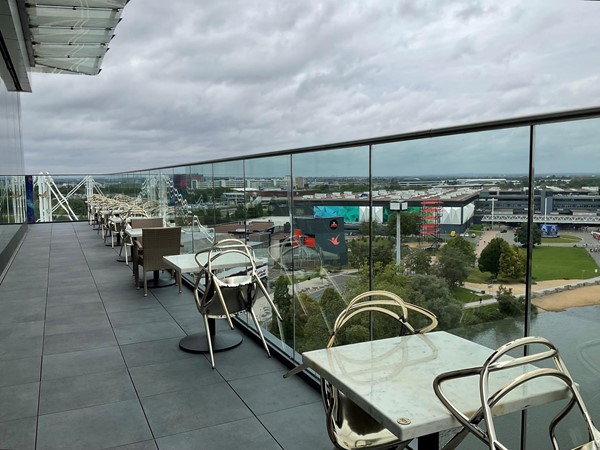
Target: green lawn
<point>465,295</point>
<point>564,239</point>
<point>476,276</point>
<point>552,263</point>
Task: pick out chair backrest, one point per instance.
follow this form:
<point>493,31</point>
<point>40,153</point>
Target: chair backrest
<point>146,222</point>
<point>380,301</point>
<point>159,242</point>
<point>496,363</point>
<point>350,427</point>
<point>229,295</point>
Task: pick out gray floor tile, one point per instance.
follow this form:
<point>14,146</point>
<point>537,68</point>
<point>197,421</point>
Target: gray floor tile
<point>152,352</point>
<point>14,284</point>
<point>251,356</point>
<point>58,312</point>
<point>83,362</point>
<point>73,299</point>
<point>76,324</point>
<point>139,316</point>
<point>21,340</point>
<point>184,310</point>
<point>94,427</point>
<point>84,340</point>
<point>18,401</point>
<point>72,289</point>
<point>152,331</point>
<point>283,393</point>
<point>128,302</point>
<point>20,371</point>
<point>191,325</point>
<point>85,380</point>
<point>180,411</point>
<point>144,445</point>
<point>16,292</point>
<point>18,434</point>
<point>186,298</point>
<point>248,434</point>
<point>190,373</point>
<point>82,391</point>
<point>31,310</point>
<point>299,428</point>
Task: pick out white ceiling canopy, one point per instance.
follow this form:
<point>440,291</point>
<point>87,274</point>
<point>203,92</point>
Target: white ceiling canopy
<point>70,36</point>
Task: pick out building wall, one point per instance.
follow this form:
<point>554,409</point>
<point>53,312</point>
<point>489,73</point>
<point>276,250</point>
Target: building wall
<point>11,146</point>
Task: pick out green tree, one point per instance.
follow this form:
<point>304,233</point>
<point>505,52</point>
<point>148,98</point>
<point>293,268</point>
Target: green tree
<point>332,305</point>
<point>508,304</point>
<point>432,293</point>
<point>315,332</point>
<point>283,300</point>
<point>383,251</point>
<point>465,247</point>
<point>418,262</point>
<point>521,234</point>
<point>512,264</point>
<point>489,260</point>
<point>453,265</point>
<point>409,224</point>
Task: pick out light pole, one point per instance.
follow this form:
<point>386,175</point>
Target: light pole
<point>493,200</point>
<point>398,207</point>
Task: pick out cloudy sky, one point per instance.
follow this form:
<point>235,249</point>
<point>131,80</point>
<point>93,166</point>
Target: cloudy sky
<point>191,81</point>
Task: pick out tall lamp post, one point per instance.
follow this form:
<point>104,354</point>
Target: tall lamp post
<point>493,200</point>
<point>398,207</point>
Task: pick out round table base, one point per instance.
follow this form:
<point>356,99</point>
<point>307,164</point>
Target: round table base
<point>154,283</point>
<point>197,342</point>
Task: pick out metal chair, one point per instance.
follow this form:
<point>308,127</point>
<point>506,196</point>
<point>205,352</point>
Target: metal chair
<point>228,296</point>
<point>157,242</point>
<point>471,424</point>
<point>349,426</point>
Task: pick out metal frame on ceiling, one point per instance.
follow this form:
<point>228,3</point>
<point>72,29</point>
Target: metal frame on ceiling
<point>70,35</point>
<point>57,36</point>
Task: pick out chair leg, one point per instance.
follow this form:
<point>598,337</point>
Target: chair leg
<point>268,297</point>
<point>208,338</point>
<point>145,283</point>
<point>262,338</point>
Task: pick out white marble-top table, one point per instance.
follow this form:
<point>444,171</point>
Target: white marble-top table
<point>186,263</point>
<point>392,379</point>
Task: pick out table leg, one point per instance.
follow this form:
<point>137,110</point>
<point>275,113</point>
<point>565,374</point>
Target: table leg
<point>429,442</point>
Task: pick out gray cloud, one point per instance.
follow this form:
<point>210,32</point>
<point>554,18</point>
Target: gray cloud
<point>208,80</point>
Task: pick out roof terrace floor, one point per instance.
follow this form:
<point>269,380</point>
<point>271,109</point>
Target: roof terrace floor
<point>86,361</point>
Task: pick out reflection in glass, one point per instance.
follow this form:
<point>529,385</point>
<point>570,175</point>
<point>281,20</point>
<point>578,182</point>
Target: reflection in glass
<point>267,230</point>
<point>327,258</point>
<point>200,199</point>
<point>566,257</point>
<point>228,182</point>
<point>12,200</point>
<point>445,193</point>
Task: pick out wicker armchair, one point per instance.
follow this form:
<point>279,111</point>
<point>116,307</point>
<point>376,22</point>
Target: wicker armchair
<point>136,250</point>
<point>157,242</point>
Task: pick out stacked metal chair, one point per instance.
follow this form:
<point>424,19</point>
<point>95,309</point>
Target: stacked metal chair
<point>224,297</point>
<point>527,374</point>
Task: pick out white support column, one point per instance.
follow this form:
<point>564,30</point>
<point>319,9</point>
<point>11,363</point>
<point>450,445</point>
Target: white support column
<point>44,197</point>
